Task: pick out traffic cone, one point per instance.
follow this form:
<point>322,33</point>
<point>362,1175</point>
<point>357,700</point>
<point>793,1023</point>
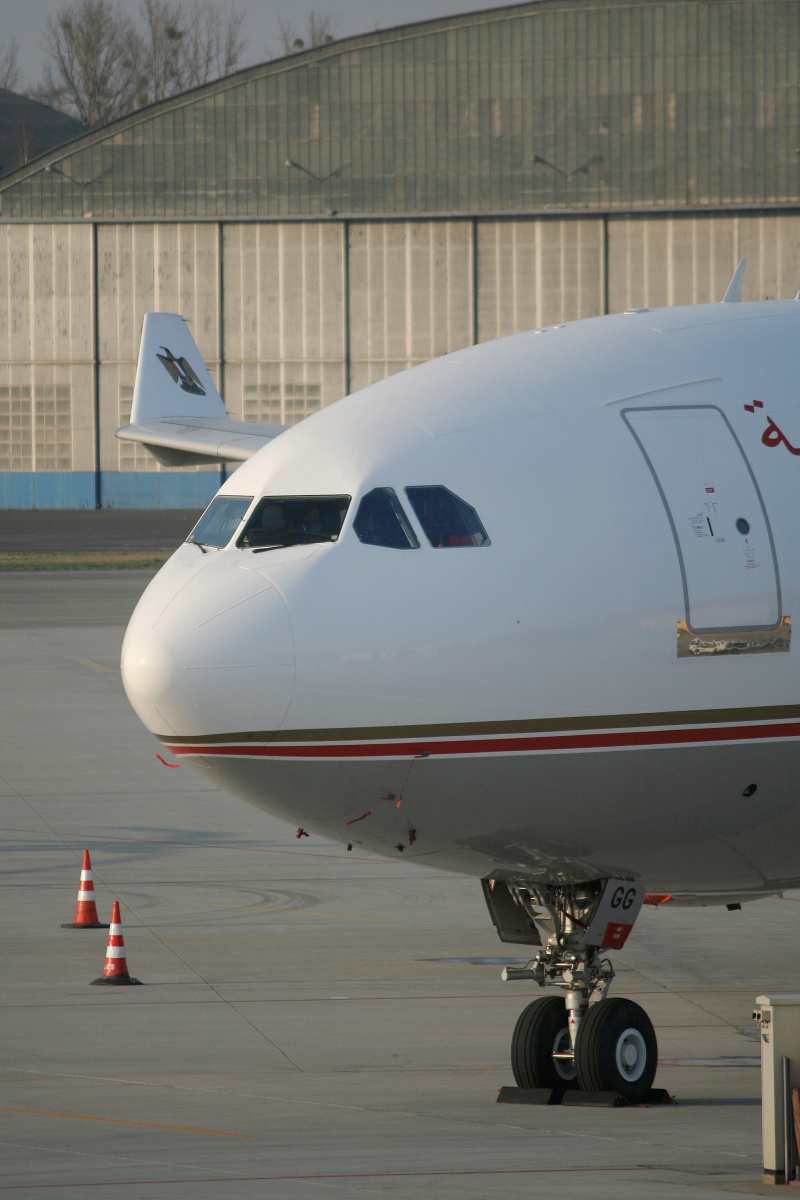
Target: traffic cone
<point>86,909</point>
<point>115,969</point>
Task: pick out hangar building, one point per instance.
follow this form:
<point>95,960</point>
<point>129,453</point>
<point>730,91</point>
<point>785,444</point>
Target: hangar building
<point>328,218</point>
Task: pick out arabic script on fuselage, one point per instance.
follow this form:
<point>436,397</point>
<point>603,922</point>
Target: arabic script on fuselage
<point>772,436</point>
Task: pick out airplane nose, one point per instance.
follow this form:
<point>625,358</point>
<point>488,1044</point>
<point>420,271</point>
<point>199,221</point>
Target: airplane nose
<point>209,653</point>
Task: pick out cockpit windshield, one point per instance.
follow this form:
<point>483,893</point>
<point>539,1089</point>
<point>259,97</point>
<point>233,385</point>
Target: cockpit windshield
<point>294,521</point>
<point>220,521</point>
<point>380,521</point>
<point>446,519</point>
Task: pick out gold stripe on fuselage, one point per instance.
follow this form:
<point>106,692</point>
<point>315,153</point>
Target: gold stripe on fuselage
<point>708,716</point>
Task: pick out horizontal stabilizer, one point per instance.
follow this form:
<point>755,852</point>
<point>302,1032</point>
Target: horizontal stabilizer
<point>178,442</point>
<point>177,411</point>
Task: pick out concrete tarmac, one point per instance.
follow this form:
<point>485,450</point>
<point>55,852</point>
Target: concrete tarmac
<point>312,1023</point>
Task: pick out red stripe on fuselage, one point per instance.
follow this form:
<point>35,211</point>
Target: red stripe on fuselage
<point>616,740</point>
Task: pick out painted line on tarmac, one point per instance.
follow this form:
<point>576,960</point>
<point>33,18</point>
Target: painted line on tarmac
<point>119,1003</point>
<point>42,1112</point>
<point>477,1174</point>
<point>290,1000</point>
<point>144,1078</point>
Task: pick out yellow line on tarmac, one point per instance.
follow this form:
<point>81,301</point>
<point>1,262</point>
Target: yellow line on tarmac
<point>42,1112</point>
<point>93,666</point>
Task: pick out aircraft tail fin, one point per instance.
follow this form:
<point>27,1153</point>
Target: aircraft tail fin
<point>171,378</point>
<point>177,411</point>
<point>734,292</point>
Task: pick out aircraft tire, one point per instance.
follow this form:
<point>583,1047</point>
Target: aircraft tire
<point>616,1050</point>
<point>541,1029</point>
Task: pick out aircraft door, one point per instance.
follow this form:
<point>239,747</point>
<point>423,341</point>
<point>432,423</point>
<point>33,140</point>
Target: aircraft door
<point>718,519</point>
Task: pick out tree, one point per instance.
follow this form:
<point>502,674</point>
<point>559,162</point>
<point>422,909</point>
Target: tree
<point>212,43</point>
<point>9,65</point>
<point>25,142</point>
<point>162,50</point>
<point>102,62</point>
<point>320,29</point>
<point>94,67</point>
<point>319,32</point>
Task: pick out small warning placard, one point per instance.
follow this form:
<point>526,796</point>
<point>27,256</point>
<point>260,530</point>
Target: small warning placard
<point>615,936</point>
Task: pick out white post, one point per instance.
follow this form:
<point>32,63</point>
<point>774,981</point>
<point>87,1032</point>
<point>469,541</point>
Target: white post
<point>779,1027</point>
<point>788,1120</point>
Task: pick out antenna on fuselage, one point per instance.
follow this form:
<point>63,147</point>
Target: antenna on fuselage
<point>734,292</point>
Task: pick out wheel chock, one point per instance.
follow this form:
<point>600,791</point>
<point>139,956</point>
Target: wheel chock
<point>578,1099</point>
<point>613,1099</point>
<point>594,1099</point>
<point>518,1095</point>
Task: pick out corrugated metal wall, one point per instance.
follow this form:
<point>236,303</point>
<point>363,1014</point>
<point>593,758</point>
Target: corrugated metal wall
<point>286,313</point>
<point>283,288</point>
<point>45,347</point>
<point>533,273</point>
<point>410,295</point>
<point>654,262</point>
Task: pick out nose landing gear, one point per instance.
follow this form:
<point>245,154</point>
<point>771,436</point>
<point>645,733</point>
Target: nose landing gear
<point>606,1046</point>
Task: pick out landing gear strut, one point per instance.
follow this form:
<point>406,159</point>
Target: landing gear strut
<point>606,1046</point>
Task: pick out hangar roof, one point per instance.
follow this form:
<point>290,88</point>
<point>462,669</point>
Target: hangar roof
<point>557,105</point>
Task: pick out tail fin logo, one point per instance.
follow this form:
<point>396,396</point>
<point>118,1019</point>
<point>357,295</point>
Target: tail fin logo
<point>181,372</point>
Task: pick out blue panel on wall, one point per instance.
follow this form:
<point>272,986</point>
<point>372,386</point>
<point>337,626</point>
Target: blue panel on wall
<point>16,489</point>
<point>46,489</point>
<point>119,489</point>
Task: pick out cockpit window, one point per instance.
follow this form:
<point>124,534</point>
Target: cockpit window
<point>380,521</point>
<point>219,522</point>
<point>294,521</point>
<point>446,519</point>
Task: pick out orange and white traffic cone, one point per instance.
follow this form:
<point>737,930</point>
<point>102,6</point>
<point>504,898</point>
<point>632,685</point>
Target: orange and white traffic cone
<point>115,969</point>
<point>86,908</point>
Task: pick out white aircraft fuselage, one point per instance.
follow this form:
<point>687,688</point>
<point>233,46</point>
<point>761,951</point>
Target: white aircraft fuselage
<point>604,688</point>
